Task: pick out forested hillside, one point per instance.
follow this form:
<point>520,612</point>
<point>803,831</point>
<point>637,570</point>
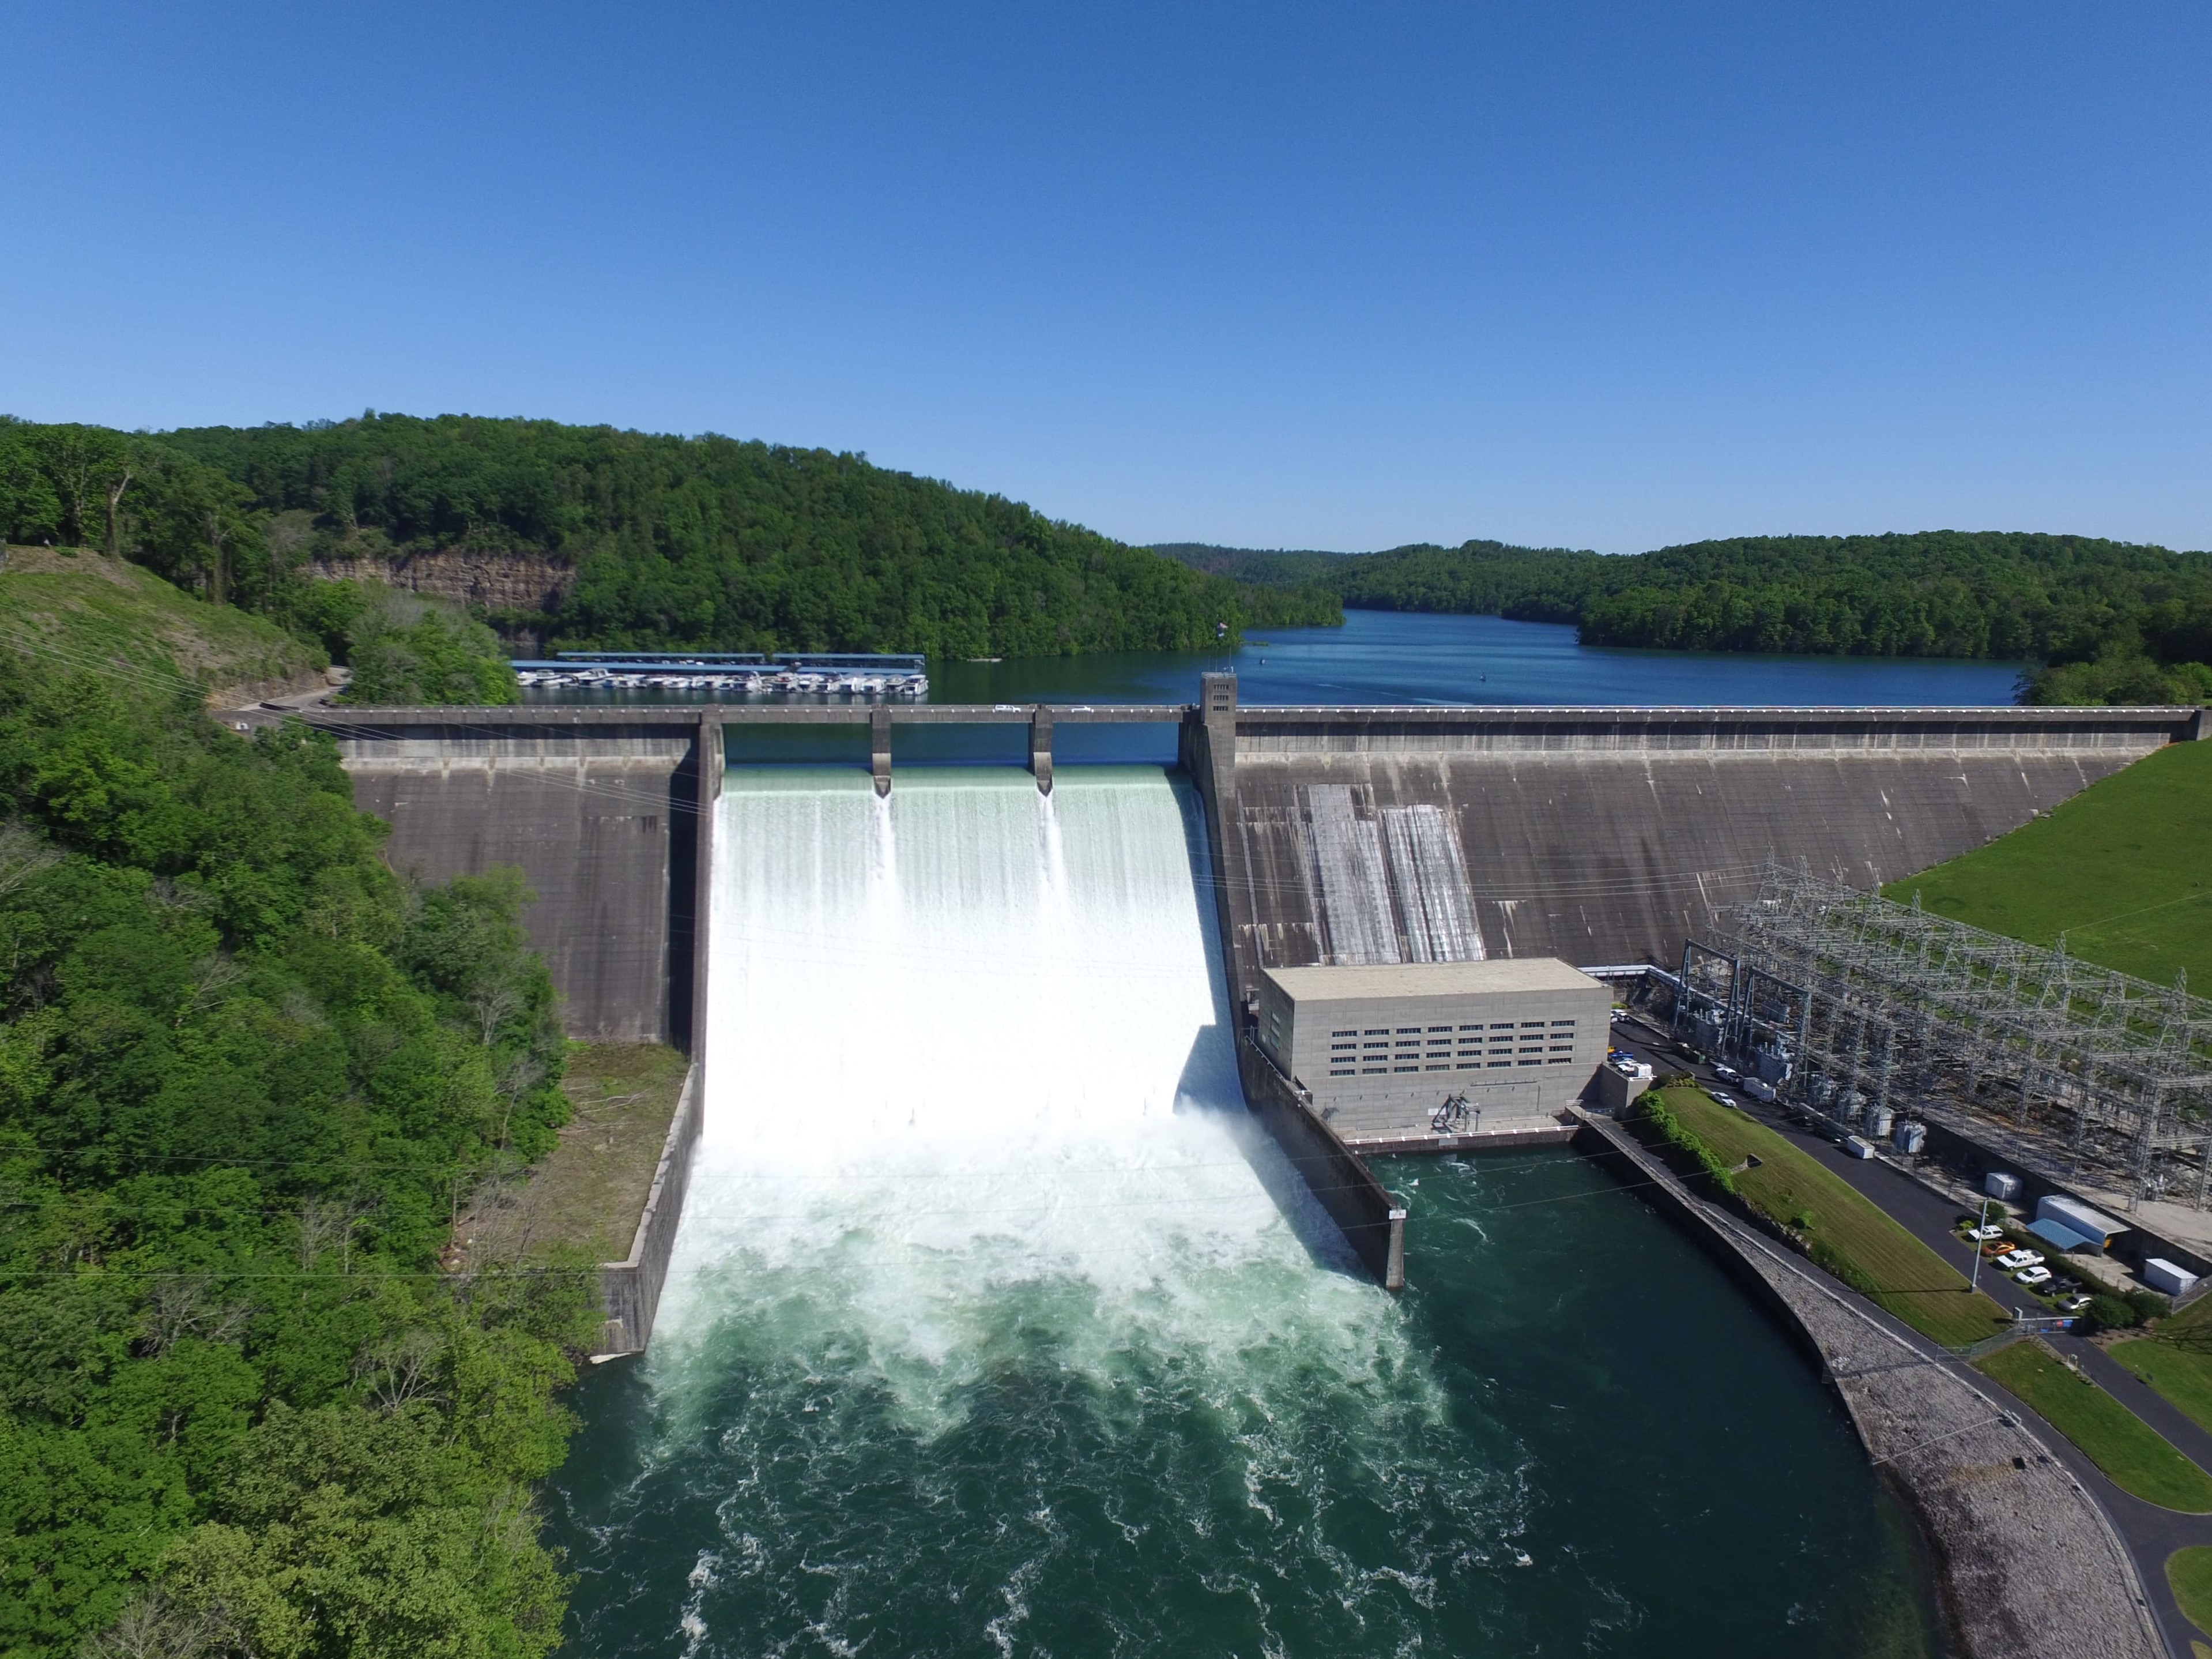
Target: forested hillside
<point>246,1081</point>
<point>712,542</point>
<point>652,541</point>
<point>2112,620</point>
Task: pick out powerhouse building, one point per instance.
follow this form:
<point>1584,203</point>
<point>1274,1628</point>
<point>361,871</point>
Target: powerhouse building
<point>1379,1048</point>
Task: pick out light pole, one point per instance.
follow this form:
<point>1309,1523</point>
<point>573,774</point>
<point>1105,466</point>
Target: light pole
<point>1974,1280</point>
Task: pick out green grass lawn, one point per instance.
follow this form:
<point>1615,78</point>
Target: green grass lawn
<point>2177,1361</point>
<point>86,611</point>
<point>2137,1458</point>
<point>2118,869</point>
<point>1895,1268</point>
<point>2190,1572</point>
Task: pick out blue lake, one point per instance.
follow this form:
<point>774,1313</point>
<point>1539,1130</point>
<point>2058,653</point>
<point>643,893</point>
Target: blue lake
<point>1378,657</point>
<point>1407,657</point>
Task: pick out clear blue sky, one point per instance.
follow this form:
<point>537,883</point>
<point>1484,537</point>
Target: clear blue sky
<point>1599,275</point>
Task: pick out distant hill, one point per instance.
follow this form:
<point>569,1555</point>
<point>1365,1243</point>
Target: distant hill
<point>1263,567</point>
<point>2110,620</point>
<point>584,536</point>
<point>661,541</point>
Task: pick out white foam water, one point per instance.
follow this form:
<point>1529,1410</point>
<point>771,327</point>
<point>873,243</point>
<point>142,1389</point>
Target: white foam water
<point>984,1267</point>
<point>973,1038</point>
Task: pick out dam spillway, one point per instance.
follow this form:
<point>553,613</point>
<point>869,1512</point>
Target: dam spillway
<point>987,1331</point>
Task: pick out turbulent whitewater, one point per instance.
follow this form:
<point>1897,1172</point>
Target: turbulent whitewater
<point>995,1327</point>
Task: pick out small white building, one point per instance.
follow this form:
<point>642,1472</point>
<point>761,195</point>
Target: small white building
<point>1379,1048</point>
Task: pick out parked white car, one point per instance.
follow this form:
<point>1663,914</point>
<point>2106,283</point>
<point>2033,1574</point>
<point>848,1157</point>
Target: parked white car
<point>1985,1234</point>
<point>2032,1275</point>
<point>2016,1258</point>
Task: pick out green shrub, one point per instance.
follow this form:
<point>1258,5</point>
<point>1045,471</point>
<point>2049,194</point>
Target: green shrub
<point>2110,1312</point>
<point>1679,1135</point>
<point>408,650</point>
<point>2149,1305</point>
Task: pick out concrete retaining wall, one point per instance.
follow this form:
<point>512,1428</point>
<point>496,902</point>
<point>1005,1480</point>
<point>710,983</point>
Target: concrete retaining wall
<point>1360,1205</point>
<point>629,1290</point>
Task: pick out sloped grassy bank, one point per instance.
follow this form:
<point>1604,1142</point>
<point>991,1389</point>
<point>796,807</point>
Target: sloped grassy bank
<point>246,1079</point>
<point>80,610</point>
<point>1791,1195</point>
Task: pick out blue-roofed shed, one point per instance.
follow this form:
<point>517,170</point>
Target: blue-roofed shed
<point>2062,1238</point>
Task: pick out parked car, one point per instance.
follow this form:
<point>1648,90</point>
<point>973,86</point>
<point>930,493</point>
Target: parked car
<point>1984,1235</point>
<point>1721,1099</point>
<point>2033,1276</point>
<point>2072,1304</point>
<point>1727,1074</point>
<point>2012,1260</point>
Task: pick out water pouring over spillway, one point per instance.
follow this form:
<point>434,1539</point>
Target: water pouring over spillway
<point>996,1325</point>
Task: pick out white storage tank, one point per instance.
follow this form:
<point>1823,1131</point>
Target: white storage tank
<point>1880,1120</point>
<point>1909,1138</point>
<point>2163,1275</point>
<point>1998,1185</point>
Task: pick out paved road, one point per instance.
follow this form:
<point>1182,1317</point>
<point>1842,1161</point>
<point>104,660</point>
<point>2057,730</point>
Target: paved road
<point>2152,1533</point>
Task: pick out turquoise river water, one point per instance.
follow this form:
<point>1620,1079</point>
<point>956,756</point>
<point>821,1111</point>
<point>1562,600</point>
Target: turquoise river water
<point>996,1328</point>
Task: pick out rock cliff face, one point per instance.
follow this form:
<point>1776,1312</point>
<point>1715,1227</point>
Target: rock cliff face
<point>489,583</point>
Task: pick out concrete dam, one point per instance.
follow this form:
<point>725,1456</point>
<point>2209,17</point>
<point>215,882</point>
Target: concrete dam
<point>1339,836</point>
